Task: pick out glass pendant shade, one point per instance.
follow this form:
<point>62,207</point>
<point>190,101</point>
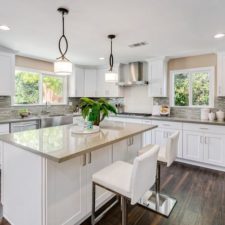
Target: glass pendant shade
<point>111,76</point>
<point>63,67</point>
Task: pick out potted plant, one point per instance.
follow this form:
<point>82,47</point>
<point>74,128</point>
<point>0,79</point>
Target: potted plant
<point>96,111</point>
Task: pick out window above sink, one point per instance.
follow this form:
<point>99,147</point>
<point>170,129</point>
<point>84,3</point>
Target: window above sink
<point>33,87</point>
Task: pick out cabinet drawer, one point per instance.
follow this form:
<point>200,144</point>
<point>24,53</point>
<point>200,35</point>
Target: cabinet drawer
<point>204,128</point>
<point>167,124</point>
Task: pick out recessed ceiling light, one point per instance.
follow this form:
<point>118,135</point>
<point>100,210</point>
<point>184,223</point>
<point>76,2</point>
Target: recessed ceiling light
<point>219,35</point>
<point>101,58</point>
<point>4,27</point>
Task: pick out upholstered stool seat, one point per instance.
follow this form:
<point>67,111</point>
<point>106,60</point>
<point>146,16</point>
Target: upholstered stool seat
<point>116,176</point>
<point>154,200</point>
<point>129,181</point>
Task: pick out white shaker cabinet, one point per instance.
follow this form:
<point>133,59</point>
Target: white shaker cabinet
<point>90,83</point>
<point>221,74</point>
<point>157,77</point>
<point>4,129</point>
<point>193,146</point>
<point>214,152</point>
<point>63,180</point>
<point>76,82</point>
<point>7,70</point>
<point>204,143</point>
<point>134,144</point>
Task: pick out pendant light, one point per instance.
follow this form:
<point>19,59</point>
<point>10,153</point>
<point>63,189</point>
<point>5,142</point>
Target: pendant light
<point>62,66</point>
<point>111,76</point>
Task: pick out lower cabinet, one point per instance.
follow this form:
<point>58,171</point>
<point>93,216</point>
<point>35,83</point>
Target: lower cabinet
<point>204,147</point>
<point>193,146</point>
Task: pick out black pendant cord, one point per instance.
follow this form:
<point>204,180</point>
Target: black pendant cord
<point>63,37</point>
<point>111,61</point>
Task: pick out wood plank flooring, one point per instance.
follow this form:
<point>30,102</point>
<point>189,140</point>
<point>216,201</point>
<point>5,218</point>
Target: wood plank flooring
<point>200,194</point>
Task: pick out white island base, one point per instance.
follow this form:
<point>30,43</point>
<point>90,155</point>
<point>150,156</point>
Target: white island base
<point>38,191</point>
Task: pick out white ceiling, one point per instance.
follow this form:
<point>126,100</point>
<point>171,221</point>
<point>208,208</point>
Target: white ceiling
<point>171,27</point>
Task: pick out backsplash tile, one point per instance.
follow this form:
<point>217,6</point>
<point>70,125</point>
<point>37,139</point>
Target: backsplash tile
<point>189,113</point>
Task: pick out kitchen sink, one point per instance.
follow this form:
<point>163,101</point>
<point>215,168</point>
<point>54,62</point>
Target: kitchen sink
<point>56,120</point>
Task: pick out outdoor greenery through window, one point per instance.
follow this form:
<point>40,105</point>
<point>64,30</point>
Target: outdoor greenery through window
<point>38,88</point>
<point>193,87</point>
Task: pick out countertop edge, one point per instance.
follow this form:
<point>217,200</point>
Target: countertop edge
<point>65,158</point>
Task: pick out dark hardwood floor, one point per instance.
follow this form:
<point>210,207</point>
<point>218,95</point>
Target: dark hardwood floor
<point>200,195</point>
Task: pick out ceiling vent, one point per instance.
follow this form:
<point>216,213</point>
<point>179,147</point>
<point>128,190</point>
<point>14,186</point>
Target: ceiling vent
<point>135,45</point>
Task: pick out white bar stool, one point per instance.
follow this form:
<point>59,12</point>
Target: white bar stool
<point>153,200</point>
<point>126,180</point>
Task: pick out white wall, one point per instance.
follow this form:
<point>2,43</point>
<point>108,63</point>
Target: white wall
<point>136,99</point>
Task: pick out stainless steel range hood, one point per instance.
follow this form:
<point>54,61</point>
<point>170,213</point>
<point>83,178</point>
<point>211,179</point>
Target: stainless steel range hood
<point>132,74</point>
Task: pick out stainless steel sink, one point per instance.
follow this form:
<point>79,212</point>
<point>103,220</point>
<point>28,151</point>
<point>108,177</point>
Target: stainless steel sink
<point>56,120</point>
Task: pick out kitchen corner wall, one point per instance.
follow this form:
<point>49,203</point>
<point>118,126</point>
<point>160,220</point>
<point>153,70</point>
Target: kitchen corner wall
<point>136,99</point>
<point>206,60</point>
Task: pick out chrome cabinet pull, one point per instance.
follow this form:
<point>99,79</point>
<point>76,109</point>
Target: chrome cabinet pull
<point>203,128</point>
<point>89,158</point>
<point>167,125</point>
<point>206,140</point>
<point>84,160</point>
<point>201,140</point>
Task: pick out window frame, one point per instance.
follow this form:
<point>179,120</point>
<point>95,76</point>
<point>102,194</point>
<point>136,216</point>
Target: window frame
<point>42,74</point>
<point>209,70</point>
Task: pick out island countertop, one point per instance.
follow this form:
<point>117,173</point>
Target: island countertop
<point>60,143</point>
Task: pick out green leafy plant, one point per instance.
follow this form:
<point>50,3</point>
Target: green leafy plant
<point>96,111</point>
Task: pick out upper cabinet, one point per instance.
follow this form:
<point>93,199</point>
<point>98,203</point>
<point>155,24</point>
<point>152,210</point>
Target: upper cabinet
<point>157,77</point>
<point>221,74</point>
<point>7,69</point>
<point>106,89</point>
<point>90,83</point>
<point>76,82</point>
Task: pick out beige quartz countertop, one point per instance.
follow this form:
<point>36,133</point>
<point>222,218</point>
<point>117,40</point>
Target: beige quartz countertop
<point>60,144</point>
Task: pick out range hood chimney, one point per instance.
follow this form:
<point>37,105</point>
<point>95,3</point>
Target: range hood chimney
<point>132,74</point>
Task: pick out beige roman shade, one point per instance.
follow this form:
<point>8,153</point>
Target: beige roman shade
<point>36,64</point>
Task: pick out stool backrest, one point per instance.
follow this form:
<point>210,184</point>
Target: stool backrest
<point>172,148</point>
<point>143,173</point>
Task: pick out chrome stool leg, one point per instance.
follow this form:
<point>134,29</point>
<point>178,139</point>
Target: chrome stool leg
<point>124,210</point>
<point>157,202</point>
<point>93,203</point>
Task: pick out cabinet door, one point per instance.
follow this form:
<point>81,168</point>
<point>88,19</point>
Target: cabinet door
<point>66,191</point>
<point>220,74</point>
<point>147,138</point>
<point>158,136</point>
<point>76,83</point>
<point>134,145</point>
<point>193,145</point>
<point>157,70</point>
<point>214,149</point>
<point>101,90</point>
<point>97,160</point>
<point>120,151</point>
<point>4,129</point>
<point>79,85</point>
<point>90,83</point>
<point>7,69</point>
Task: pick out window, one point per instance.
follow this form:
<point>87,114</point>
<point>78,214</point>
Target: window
<point>194,87</point>
<point>33,87</point>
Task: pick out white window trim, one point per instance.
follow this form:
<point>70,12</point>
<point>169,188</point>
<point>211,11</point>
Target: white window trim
<point>42,73</point>
<point>210,70</point>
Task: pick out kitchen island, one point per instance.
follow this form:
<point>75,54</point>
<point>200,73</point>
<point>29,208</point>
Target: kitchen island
<point>46,173</point>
